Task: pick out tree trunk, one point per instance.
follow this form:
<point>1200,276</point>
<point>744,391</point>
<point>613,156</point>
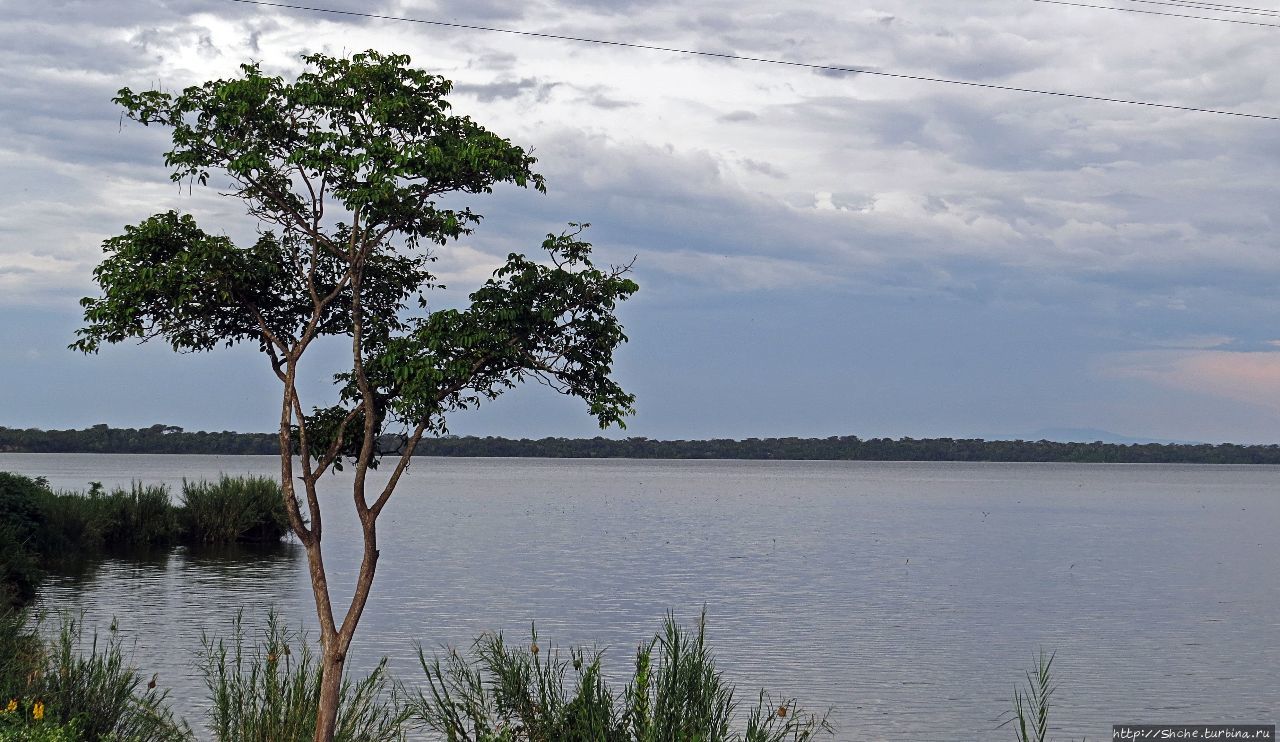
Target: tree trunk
<point>331,666</point>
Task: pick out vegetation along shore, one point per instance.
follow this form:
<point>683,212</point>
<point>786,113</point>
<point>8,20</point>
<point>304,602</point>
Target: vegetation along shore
<point>41,529</point>
<point>170,439</point>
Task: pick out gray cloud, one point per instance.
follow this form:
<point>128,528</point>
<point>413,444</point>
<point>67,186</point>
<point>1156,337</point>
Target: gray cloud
<point>505,89</point>
<point>907,204</point>
<point>763,168</point>
<point>494,61</point>
<point>599,97</point>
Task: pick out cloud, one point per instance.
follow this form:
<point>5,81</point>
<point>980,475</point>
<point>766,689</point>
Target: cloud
<point>1249,378</point>
<point>763,168</point>
<point>738,273</point>
<point>597,98</point>
<point>841,71</point>
<point>1141,230</point>
<point>506,89</point>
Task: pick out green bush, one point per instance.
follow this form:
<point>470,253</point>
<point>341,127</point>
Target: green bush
<point>270,690</point>
<point>19,570</point>
<point>20,502</point>
<point>22,524</point>
<point>233,509</point>
<point>73,526</point>
<point>82,685</point>
<point>20,725</point>
<point>511,694</point>
<point>63,525</point>
<point>140,517</point>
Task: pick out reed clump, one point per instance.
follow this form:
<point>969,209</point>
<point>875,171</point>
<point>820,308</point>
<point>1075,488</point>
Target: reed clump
<point>40,528</point>
<point>233,509</point>
<point>76,687</point>
<point>268,689</point>
<point>530,694</point>
<point>140,517</point>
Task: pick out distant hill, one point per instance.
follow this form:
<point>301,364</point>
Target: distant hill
<point>169,439</point>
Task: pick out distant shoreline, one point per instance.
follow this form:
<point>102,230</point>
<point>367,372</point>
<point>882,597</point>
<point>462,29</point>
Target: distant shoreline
<point>164,439</point>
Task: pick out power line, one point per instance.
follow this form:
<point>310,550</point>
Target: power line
<point>764,60</point>
<point>1142,11</point>
<point>1216,7</point>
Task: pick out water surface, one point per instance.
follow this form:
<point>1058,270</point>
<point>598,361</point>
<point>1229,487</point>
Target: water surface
<point>909,597</point>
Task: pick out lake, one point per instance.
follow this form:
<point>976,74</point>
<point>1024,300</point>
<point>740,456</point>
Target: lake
<point>909,597</point>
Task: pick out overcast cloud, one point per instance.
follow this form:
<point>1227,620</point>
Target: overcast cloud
<point>818,254</point>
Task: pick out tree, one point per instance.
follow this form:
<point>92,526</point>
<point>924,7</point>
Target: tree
<point>344,170</point>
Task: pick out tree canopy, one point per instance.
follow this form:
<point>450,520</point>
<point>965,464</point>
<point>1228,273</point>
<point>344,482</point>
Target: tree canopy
<point>344,171</point>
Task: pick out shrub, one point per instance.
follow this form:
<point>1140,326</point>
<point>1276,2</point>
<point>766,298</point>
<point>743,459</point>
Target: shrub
<point>139,517</point>
<point>270,690</point>
<point>507,694</point>
<point>80,685</point>
<point>233,509</point>
<point>68,525</point>
<point>20,501</point>
<point>27,722</point>
<point>73,527</point>
<point>22,520</point>
<point>19,570</point>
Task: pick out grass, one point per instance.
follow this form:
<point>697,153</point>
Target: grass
<point>265,688</point>
<point>268,690</point>
<point>140,517</point>
<point>233,509</point>
<point>510,693</point>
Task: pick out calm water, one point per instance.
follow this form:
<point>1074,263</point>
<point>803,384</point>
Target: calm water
<point>908,597</point>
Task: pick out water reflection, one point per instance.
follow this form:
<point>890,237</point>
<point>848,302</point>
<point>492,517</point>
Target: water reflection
<point>909,597</point>
<point>241,560</point>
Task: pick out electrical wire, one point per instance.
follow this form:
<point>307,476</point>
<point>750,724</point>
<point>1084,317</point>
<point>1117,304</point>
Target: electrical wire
<point>1144,12</point>
<point>1216,7</point>
<point>764,60</point>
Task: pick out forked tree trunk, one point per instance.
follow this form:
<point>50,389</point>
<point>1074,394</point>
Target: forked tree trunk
<point>333,658</point>
<point>336,639</point>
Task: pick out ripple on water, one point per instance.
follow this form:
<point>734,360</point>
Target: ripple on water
<point>907,597</point>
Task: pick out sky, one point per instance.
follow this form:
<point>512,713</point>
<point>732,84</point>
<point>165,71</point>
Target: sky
<point>819,253</point>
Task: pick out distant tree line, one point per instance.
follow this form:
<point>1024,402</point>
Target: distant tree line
<point>170,439</point>
<point>155,439</point>
<point>853,448</point>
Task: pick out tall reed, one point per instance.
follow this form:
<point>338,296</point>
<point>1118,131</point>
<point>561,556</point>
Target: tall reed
<point>139,517</point>
<point>233,509</point>
<point>1029,716</point>
<point>21,654</point>
<point>83,683</point>
<point>676,693</point>
<point>268,690</point>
